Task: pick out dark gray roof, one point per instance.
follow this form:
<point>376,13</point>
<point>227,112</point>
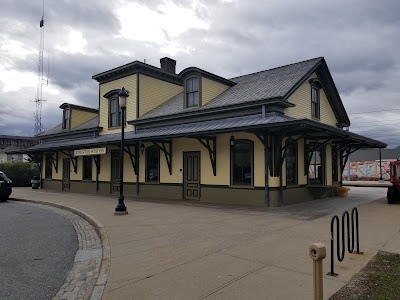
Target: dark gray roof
<point>272,121</point>
<point>208,127</point>
<point>373,154</point>
<point>91,124</point>
<point>269,84</point>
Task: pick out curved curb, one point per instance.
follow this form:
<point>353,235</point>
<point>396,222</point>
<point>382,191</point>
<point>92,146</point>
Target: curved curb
<point>98,289</point>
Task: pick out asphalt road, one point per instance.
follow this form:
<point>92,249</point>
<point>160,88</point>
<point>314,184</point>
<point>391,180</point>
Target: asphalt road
<point>37,249</point>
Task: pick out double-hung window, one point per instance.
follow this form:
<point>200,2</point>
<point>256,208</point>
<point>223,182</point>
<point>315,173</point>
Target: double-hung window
<point>316,167</point>
<point>87,168</point>
<point>291,162</point>
<point>48,171</point>
<point>153,164</point>
<point>242,163</point>
<point>66,118</point>
<point>192,92</point>
<point>115,113</point>
<point>315,107</point>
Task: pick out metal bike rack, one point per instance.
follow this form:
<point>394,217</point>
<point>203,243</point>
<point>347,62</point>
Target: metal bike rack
<point>341,248</point>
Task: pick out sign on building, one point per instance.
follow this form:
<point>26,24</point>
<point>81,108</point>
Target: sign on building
<point>93,151</point>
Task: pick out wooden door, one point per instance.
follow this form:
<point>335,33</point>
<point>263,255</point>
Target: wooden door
<point>191,175</point>
<point>115,171</point>
<point>66,174</point>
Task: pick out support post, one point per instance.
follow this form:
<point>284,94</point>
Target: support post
<point>266,167</point>
<point>380,164</point>
<point>317,253</point>
<point>137,168</point>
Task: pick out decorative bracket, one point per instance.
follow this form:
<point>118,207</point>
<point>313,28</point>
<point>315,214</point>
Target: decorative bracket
<point>210,143</point>
<point>132,156</point>
<point>37,158</point>
<point>167,152</point>
<point>55,161</point>
<point>309,152</point>
<point>73,159</point>
<point>348,151</point>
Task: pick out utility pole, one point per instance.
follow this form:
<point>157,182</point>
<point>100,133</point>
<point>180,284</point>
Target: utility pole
<point>348,163</point>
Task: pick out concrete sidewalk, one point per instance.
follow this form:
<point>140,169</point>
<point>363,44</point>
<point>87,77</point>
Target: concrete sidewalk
<point>180,250</point>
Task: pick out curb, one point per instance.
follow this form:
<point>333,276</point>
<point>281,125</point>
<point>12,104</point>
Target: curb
<point>98,289</point>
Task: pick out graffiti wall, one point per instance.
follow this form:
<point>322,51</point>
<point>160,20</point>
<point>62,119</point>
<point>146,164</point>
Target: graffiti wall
<point>367,170</point>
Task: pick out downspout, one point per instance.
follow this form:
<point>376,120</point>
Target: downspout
<point>266,171</point>
<point>280,160</point>
<point>348,163</point>
<point>380,163</point>
<point>97,173</point>
<point>137,168</point>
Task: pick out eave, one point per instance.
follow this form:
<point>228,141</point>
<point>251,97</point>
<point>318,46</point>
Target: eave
<point>213,111</point>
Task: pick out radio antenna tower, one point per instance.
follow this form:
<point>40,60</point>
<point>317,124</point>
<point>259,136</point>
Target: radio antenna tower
<point>39,98</point>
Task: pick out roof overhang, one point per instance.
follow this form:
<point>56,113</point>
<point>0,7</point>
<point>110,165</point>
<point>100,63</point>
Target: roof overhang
<point>273,124</point>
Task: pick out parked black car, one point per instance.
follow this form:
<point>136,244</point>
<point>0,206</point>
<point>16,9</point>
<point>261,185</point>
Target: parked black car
<point>5,187</point>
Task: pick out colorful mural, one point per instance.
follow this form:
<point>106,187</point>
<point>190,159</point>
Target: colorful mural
<point>367,170</point>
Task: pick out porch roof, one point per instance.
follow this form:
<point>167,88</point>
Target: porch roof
<point>272,123</point>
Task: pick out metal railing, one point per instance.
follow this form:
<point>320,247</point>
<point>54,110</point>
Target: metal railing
<point>341,247</point>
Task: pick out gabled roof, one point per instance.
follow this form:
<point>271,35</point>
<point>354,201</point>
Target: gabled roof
<point>91,124</point>
<point>274,84</point>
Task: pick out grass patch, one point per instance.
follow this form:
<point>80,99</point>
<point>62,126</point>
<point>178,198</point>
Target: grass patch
<point>378,280</point>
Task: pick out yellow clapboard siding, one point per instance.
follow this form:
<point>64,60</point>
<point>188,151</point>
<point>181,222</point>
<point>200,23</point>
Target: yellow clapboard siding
<point>78,117</point>
<point>207,177</point>
<point>129,82</point>
<point>301,98</point>
<point>210,89</point>
<point>153,92</point>
<point>105,165</point>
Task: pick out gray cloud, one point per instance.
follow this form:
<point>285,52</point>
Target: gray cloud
<point>359,40</point>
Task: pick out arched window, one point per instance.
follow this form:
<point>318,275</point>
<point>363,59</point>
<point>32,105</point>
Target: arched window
<point>153,164</point>
<point>291,162</point>
<point>317,166</point>
<point>315,98</point>
<point>242,163</point>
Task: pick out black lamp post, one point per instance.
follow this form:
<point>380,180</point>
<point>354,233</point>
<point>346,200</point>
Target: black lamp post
<point>121,208</point>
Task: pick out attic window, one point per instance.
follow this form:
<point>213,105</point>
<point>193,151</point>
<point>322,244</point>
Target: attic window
<point>66,118</point>
<point>315,98</point>
<point>192,92</point>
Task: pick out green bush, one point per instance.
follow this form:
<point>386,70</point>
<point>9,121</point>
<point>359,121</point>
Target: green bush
<point>20,172</point>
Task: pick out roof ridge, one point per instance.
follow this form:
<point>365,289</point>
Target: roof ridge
<point>299,62</point>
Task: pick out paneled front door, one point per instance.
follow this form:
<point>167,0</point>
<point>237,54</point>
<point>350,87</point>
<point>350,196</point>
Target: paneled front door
<point>66,174</point>
<point>115,173</point>
<point>191,175</point>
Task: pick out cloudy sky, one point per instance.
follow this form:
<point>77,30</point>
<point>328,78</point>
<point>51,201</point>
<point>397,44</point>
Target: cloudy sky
<point>360,40</point>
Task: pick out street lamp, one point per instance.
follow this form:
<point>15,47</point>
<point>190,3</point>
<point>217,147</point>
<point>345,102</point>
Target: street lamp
<point>121,208</point>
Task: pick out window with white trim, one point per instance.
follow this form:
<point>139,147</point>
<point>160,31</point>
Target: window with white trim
<point>192,92</point>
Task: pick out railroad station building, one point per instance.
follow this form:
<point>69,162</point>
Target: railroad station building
<point>270,138</point>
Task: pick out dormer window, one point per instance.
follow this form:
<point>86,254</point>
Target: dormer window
<point>192,92</point>
<point>114,110</point>
<point>66,118</point>
<point>115,113</point>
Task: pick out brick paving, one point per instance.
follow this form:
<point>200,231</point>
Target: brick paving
<point>82,278</point>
